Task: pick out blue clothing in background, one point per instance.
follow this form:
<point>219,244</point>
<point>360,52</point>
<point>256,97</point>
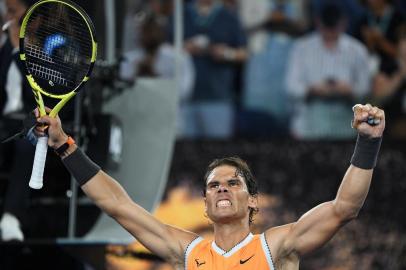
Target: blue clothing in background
<point>265,78</point>
<point>214,80</point>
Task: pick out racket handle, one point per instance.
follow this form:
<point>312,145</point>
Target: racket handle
<point>37,174</point>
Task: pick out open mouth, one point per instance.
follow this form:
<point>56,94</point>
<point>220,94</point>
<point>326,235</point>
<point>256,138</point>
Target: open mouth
<point>223,203</point>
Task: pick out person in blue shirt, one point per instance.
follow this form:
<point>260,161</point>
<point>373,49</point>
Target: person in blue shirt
<point>215,39</point>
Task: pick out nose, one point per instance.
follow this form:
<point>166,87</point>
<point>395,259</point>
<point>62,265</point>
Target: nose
<point>222,188</point>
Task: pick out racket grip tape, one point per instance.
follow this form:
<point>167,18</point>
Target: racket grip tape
<point>36,181</point>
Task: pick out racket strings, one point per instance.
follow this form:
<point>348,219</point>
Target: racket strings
<point>37,52</point>
<point>49,74</point>
<point>58,46</point>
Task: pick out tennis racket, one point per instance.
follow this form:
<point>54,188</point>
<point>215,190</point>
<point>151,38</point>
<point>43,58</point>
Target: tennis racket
<point>58,48</point>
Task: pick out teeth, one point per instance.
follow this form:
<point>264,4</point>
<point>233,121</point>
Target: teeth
<point>223,203</point>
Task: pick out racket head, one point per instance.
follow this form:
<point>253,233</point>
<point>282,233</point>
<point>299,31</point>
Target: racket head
<point>58,48</point>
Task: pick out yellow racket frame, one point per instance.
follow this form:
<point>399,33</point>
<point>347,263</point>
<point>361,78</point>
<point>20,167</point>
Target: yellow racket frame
<point>37,90</point>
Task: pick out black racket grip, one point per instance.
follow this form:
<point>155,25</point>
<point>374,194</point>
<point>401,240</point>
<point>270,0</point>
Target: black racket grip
<point>373,121</point>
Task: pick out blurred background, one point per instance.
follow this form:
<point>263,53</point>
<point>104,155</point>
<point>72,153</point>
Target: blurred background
<point>178,83</point>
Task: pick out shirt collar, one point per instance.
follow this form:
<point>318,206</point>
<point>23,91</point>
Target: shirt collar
<point>236,248</point>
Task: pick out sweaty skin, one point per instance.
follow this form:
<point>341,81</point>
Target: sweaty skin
<point>227,205</point>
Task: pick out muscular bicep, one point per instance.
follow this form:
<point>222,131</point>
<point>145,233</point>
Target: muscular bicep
<point>161,239</point>
<point>312,230</point>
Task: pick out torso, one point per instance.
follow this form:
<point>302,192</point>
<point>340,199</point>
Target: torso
<point>251,253</point>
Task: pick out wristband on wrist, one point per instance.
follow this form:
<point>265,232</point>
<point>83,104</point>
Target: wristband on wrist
<point>366,152</point>
<point>80,166</point>
<point>61,149</point>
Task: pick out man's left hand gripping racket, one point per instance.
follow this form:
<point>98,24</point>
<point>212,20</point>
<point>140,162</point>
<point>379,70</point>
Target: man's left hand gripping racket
<point>58,47</point>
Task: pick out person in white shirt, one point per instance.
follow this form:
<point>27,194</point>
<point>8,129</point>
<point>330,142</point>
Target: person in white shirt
<point>327,72</point>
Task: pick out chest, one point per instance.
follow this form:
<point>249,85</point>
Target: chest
<point>248,258</point>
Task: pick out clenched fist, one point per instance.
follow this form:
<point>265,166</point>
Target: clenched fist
<point>368,120</point>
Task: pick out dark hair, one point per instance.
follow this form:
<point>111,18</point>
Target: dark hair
<point>152,34</point>
<point>331,14</point>
<point>243,170</point>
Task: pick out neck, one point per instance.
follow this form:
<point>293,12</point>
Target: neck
<point>330,44</point>
<point>227,236</point>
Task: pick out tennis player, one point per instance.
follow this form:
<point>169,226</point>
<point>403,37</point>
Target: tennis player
<point>231,201</point>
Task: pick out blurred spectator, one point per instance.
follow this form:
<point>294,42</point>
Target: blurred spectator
<point>137,11</point>
<point>15,101</point>
<point>133,17</point>
<point>215,39</point>
<point>263,16</point>
<point>378,31</point>
<point>265,92</point>
<point>353,8</point>
<point>326,75</point>
<point>156,58</point>
<point>389,92</point>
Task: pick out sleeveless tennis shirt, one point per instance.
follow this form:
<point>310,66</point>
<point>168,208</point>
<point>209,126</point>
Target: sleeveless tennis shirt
<point>251,253</point>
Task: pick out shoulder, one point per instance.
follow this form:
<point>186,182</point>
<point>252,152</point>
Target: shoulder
<point>352,44</point>
<point>306,42</point>
<point>197,247</point>
<point>308,39</point>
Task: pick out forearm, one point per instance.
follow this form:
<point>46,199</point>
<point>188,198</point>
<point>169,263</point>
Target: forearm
<point>161,239</point>
<point>352,192</point>
<point>319,225</point>
<point>106,193</point>
<point>234,55</point>
<point>102,189</point>
<point>241,55</point>
<point>357,180</point>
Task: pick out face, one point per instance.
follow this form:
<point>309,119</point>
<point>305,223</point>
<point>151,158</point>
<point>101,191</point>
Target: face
<point>227,196</point>
<point>330,34</point>
<point>15,9</point>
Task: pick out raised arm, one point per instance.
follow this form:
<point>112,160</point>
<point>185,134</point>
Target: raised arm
<point>163,240</point>
<point>318,226</point>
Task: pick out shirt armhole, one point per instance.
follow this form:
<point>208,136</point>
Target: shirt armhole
<point>190,247</point>
<point>267,252</point>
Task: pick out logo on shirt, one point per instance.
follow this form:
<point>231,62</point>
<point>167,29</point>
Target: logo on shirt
<point>198,264</point>
<point>246,260</point>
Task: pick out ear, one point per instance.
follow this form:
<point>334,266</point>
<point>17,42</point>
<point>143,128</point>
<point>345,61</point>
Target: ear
<point>253,201</point>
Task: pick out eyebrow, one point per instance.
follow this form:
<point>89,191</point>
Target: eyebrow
<point>217,182</point>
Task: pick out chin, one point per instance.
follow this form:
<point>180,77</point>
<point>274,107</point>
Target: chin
<point>224,217</point>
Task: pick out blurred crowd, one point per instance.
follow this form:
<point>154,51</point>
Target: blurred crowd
<point>274,67</point>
